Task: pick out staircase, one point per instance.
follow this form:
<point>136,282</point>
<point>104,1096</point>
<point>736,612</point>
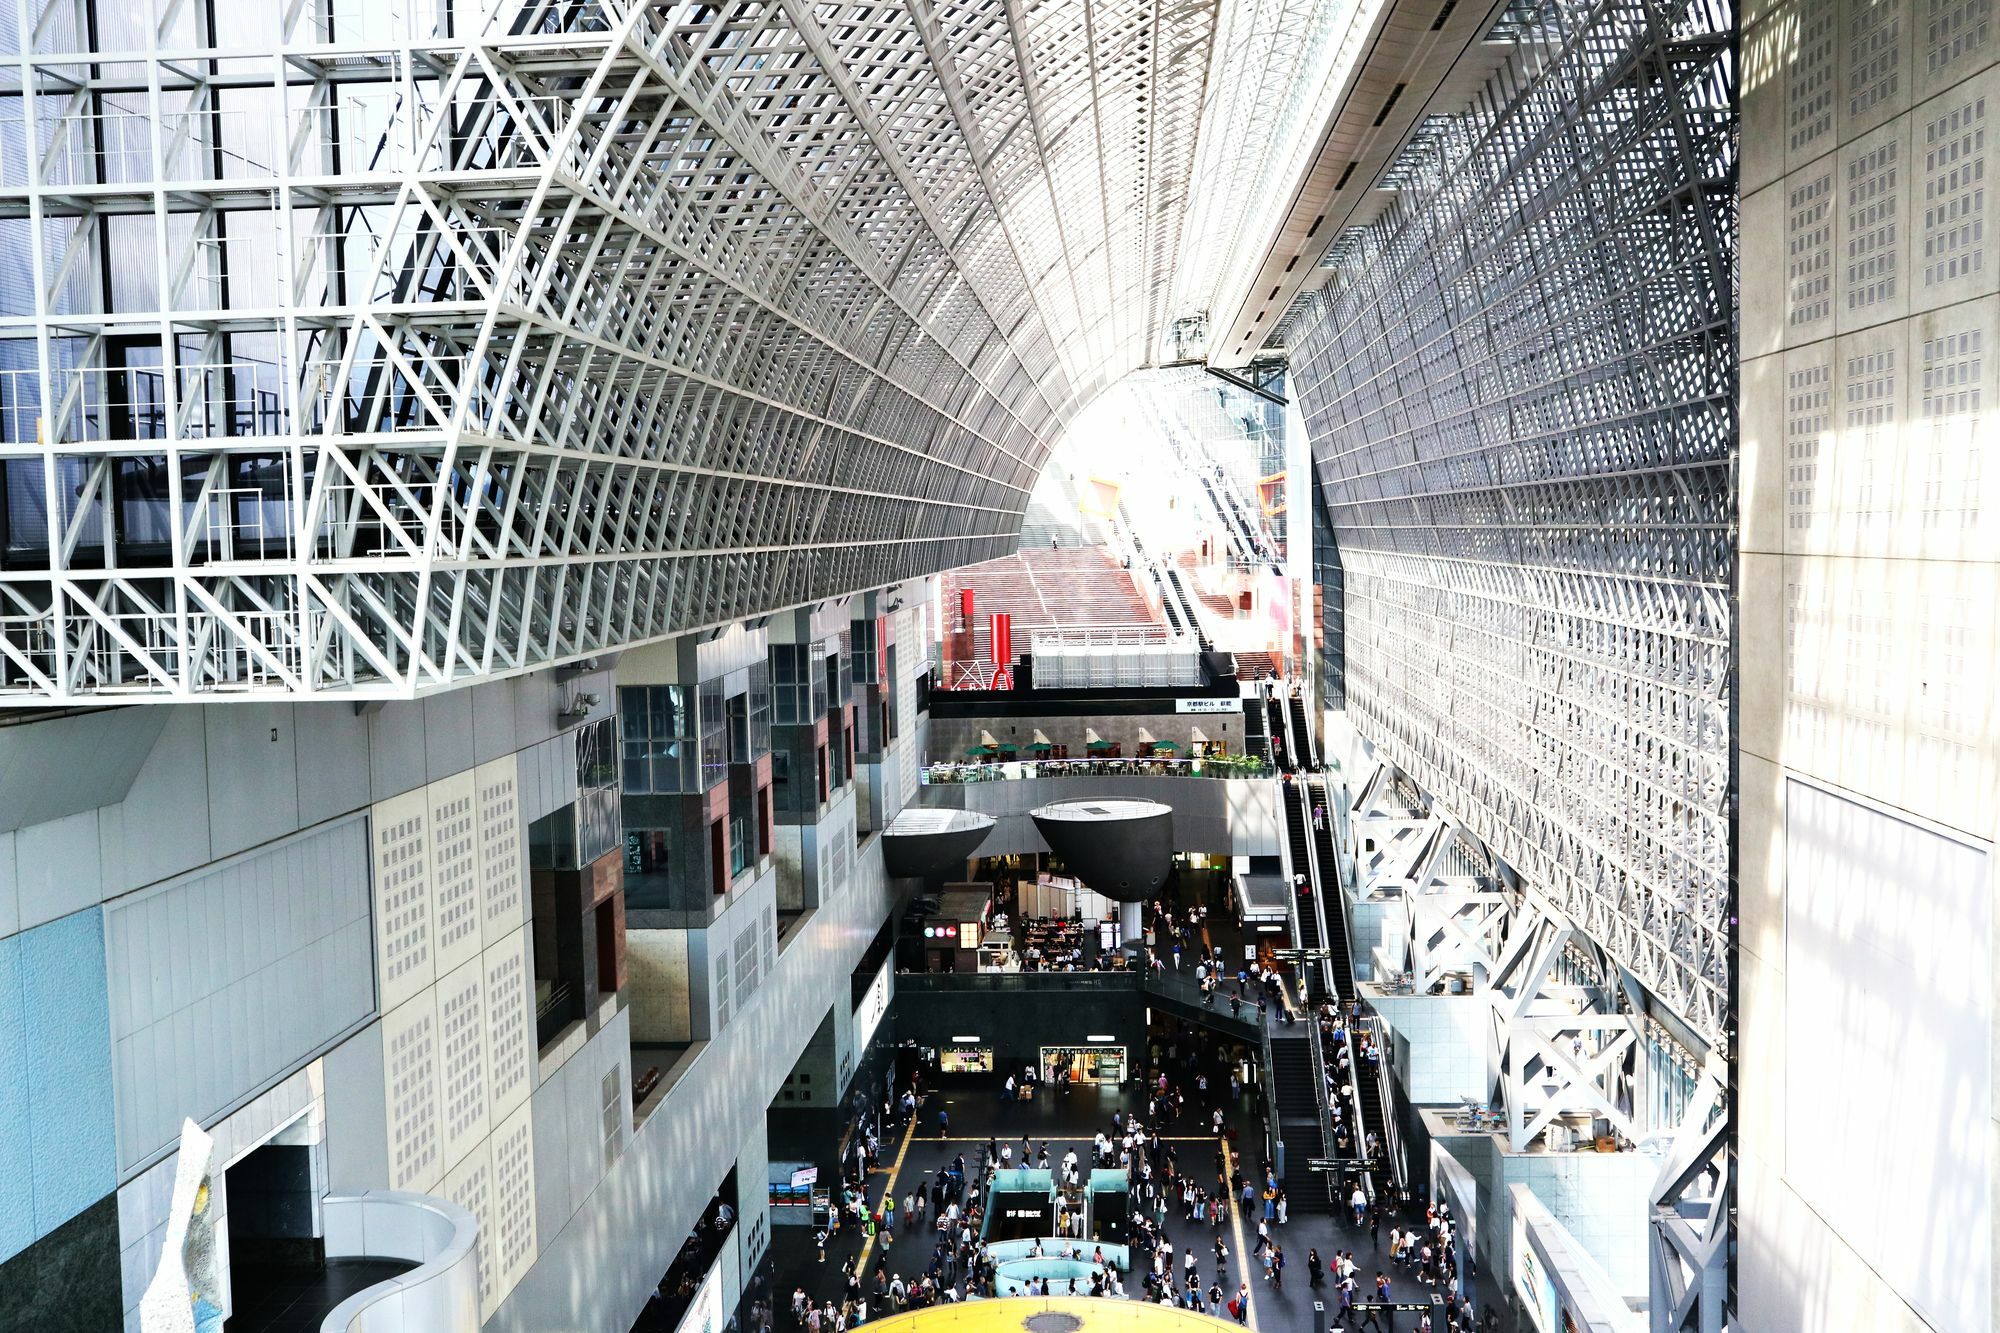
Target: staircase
<point>1295,1096</point>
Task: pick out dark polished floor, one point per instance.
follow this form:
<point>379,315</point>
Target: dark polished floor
<point>270,1300</point>
<point>914,1157</point>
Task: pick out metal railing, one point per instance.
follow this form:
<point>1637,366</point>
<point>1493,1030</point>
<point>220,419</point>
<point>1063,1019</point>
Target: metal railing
<point>1392,1144</point>
<point>1020,770</point>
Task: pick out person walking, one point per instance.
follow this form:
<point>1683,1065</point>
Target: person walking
<point>1359,1203</point>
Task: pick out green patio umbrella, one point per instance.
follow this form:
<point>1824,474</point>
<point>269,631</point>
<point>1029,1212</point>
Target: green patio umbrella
<point>1166,746</point>
<point>1041,744</point>
<point>1093,741</point>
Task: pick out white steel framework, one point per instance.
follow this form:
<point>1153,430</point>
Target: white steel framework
<point>357,348</point>
<point>1519,385</point>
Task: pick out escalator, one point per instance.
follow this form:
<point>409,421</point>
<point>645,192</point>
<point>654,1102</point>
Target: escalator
<point>1338,946</point>
<point>1368,1088</point>
<point>1367,1080</point>
<point>1281,743</point>
<point>1255,740</point>
<point>1301,737</point>
<point>1294,1096</point>
<point>1187,609</point>
<point>1303,909</point>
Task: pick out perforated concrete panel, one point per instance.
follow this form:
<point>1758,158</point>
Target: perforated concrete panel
<point>410,1083</point>
<point>1809,247</point>
<point>403,924</point>
<point>470,1186</point>
<point>1953,234</point>
<point>455,883</point>
<point>514,1193</point>
<point>463,1100</point>
<point>502,869</point>
<point>510,1025</point>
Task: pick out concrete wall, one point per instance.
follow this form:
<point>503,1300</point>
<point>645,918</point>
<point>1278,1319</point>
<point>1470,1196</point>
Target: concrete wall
<point>1869,590</point>
<point>1598,1197</point>
<point>1441,1041</point>
<point>226,974</point>
<point>1228,817</point>
<point>624,1234</point>
<point>57,1154</point>
<point>346,891</point>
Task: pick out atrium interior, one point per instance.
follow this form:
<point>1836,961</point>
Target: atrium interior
<point>766,665</point>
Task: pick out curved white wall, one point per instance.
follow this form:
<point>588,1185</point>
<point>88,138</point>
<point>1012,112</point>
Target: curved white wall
<point>440,1295</point>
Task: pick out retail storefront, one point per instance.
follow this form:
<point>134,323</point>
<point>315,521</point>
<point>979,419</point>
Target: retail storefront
<point>965,1059</point>
<point>1084,1064</point>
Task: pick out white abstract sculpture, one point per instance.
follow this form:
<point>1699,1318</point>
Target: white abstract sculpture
<point>182,1295</point>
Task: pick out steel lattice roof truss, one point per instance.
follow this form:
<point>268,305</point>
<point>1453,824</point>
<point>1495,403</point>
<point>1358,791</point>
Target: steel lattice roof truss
<point>348,359</point>
<point>1520,388</point>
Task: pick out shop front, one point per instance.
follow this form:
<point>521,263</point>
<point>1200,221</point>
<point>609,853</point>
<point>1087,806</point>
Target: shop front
<point>1084,1064</point>
<point>965,1057</point>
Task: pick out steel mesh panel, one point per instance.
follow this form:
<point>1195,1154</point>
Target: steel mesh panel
<point>360,348</point>
<point>1519,387</point>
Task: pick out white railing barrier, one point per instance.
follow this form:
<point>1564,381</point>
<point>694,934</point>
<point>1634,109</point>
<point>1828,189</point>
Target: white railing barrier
<point>439,1295</point>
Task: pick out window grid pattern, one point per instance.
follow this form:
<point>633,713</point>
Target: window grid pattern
<point>1874,54</point>
<point>1955,29</point>
<point>1809,248</point>
<point>1519,387</point>
<point>754,304</point>
<point>1949,402</point>
<point>1872,211</point>
<point>1808,401</point>
<point>1955,193</point>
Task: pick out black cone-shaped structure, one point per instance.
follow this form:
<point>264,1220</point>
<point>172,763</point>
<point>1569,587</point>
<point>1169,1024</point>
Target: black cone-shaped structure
<point>923,841</point>
<point>1120,848</point>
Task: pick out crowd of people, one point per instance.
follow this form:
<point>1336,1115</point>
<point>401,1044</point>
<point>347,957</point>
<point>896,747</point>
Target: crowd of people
<point>1336,1027</point>
<point>1183,1203</point>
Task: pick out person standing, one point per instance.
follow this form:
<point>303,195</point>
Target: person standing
<point>1358,1201</point>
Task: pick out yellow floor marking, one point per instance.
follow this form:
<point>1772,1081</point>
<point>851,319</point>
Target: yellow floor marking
<point>1243,1256</point>
<point>888,1192</point>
